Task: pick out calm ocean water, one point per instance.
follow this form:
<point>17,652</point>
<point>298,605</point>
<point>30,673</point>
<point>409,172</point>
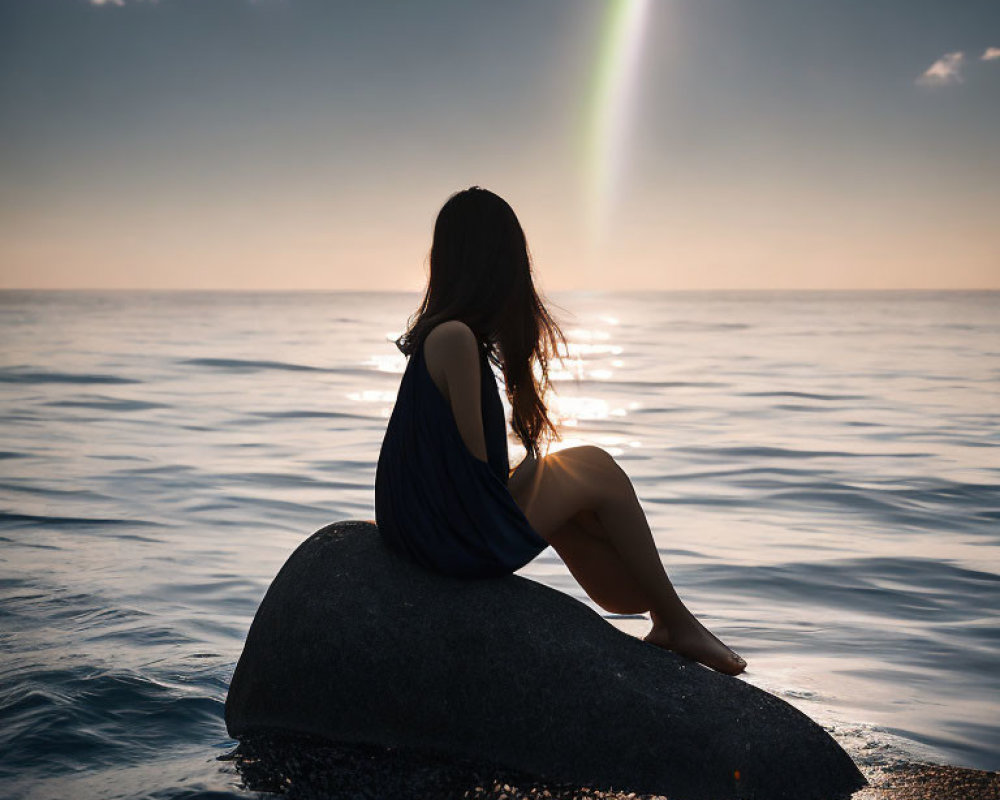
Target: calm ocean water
<point>821,471</point>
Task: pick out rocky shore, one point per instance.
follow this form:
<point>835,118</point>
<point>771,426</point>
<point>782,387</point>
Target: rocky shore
<point>303,768</point>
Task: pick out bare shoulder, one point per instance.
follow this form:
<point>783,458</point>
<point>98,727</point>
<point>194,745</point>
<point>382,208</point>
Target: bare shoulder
<point>450,338</point>
<point>451,353</point>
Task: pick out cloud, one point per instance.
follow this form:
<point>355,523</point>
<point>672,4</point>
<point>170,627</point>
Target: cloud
<point>107,2</point>
<point>990,54</point>
<point>944,71</point>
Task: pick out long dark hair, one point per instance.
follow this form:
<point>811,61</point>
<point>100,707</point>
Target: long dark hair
<point>480,273</point>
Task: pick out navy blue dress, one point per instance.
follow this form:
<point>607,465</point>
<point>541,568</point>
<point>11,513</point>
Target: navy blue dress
<point>434,500</point>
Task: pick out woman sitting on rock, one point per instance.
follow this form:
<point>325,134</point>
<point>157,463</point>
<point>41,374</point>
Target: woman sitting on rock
<point>444,494</point>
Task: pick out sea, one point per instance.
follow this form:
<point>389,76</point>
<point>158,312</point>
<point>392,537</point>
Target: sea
<point>820,470</point>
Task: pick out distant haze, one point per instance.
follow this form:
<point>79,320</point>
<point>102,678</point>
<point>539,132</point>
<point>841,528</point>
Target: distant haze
<point>300,144</point>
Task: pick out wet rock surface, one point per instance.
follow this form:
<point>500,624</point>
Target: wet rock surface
<point>504,677</point>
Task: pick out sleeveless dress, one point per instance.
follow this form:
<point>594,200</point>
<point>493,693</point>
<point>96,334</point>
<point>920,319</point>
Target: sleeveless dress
<point>437,503</point>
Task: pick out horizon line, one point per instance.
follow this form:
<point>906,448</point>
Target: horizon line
<point>690,290</point>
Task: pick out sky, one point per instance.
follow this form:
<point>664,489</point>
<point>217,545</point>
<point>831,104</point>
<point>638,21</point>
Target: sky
<point>644,144</point>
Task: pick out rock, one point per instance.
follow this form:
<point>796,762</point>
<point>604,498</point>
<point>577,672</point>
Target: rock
<point>353,643</point>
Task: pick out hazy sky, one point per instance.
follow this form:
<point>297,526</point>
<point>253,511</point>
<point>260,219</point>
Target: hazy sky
<point>310,143</point>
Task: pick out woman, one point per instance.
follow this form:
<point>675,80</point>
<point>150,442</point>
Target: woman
<point>444,495</point>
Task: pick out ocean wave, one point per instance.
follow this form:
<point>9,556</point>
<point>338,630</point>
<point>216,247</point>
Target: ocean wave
<point>75,718</point>
<point>54,520</point>
<point>106,404</point>
<point>23,375</point>
<point>247,365</point>
<point>805,395</point>
<point>761,451</point>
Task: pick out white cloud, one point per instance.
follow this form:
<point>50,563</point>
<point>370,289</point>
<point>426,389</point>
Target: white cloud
<point>946,70</point>
<point>990,54</point>
<point>107,2</point>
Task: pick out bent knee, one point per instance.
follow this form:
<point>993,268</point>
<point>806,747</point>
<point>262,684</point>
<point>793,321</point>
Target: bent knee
<point>598,455</point>
<point>566,483</point>
<point>580,455</point>
<point>593,472</point>
<point>599,461</point>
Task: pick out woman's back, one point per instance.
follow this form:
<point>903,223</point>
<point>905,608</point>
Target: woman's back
<point>435,500</point>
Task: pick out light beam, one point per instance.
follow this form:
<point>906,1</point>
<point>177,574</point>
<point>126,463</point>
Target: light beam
<point>610,111</point>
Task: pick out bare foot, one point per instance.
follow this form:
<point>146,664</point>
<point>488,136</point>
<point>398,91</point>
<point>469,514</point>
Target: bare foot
<point>693,640</point>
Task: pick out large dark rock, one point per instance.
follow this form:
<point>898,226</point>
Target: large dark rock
<point>353,643</point>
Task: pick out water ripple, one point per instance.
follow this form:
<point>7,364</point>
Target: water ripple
<point>247,365</point>
<point>23,375</point>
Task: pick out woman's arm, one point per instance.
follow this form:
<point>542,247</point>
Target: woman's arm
<point>451,353</point>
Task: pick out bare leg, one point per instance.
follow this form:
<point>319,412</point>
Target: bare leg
<point>583,492</point>
<point>596,565</point>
